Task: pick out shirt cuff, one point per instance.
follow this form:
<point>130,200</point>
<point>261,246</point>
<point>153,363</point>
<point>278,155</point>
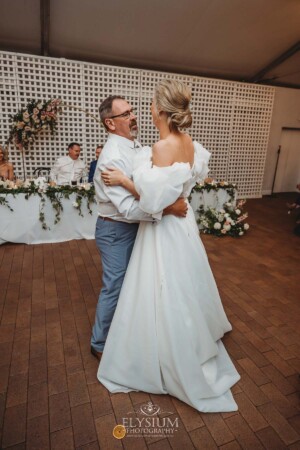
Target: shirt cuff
<point>157,216</point>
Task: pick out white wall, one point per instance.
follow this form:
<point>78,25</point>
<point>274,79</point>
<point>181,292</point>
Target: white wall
<point>286,113</point>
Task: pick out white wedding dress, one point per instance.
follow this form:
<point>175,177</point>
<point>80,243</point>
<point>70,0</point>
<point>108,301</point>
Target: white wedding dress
<point>165,337</point>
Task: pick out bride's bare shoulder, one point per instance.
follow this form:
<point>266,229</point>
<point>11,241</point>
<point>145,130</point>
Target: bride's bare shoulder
<point>162,154</point>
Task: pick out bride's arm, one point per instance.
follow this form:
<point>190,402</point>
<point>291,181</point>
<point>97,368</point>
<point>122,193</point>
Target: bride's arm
<point>115,177</point>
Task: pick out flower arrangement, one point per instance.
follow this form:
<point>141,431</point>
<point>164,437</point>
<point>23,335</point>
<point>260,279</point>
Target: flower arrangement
<point>54,193</point>
<point>226,221</point>
<point>30,121</point>
<point>212,185</point>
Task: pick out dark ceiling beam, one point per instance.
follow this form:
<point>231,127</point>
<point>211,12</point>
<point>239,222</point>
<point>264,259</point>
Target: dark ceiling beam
<point>287,54</point>
<point>45,26</point>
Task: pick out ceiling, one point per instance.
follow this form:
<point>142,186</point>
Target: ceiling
<point>245,40</point>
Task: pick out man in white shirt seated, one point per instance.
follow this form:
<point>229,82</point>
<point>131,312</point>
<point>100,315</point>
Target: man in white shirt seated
<point>68,169</point>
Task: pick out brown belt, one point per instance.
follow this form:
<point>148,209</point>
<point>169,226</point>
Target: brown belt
<point>107,219</point>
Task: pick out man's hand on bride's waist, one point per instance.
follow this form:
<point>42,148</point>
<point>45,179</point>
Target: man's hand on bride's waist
<point>179,208</point>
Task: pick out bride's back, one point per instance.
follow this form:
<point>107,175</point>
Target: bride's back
<point>177,147</point>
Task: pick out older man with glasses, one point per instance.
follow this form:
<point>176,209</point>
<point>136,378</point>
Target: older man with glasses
<point>118,211</point>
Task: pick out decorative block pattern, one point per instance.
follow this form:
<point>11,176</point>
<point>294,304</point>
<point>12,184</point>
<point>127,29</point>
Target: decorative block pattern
<point>230,119</point>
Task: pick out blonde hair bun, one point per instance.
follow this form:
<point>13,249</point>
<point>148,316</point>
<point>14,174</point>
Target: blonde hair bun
<point>173,97</point>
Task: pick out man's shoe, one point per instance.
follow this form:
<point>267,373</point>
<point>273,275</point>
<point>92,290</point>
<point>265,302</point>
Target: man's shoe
<point>95,353</point>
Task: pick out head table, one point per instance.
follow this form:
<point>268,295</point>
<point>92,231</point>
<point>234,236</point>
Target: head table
<point>30,219</point>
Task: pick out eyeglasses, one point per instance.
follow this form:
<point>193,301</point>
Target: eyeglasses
<point>125,114</point>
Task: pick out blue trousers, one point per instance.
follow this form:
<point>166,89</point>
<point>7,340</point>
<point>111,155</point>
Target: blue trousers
<point>115,242</point>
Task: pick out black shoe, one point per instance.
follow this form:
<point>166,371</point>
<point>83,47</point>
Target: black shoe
<point>97,355</point>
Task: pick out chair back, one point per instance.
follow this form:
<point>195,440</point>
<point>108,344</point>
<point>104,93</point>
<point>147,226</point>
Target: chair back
<point>42,171</point>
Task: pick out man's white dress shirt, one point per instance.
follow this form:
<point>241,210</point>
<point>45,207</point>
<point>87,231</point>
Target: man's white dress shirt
<point>116,202</point>
<point>67,169</point>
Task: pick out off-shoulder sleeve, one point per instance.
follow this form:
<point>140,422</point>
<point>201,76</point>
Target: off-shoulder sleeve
<point>158,187</point>
<point>202,157</point>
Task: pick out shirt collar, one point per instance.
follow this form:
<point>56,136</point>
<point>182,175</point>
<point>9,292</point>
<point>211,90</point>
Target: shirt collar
<point>123,140</point>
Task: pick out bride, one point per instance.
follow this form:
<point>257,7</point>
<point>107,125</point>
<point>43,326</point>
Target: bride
<point>165,336</point>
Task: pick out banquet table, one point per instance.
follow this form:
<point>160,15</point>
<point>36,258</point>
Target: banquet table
<point>211,199</point>
<point>22,225</point>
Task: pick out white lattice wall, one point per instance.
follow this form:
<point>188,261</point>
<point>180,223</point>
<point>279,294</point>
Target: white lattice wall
<point>230,119</point>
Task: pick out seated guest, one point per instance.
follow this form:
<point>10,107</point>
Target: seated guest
<point>68,169</point>
<point>94,164</point>
<point>6,168</point>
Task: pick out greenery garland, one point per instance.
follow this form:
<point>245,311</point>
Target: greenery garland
<point>212,185</point>
<point>54,193</point>
<point>227,221</point>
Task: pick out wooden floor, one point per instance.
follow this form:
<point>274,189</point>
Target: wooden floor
<point>49,394</point>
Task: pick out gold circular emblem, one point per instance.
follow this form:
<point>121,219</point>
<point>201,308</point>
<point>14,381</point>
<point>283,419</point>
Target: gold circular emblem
<point>119,431</point>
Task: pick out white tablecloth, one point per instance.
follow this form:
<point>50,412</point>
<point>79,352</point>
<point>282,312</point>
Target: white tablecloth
<point>23,224</point>
<point>212,199</point>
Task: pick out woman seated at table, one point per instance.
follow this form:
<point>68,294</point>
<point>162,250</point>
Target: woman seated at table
<point>6,168</point>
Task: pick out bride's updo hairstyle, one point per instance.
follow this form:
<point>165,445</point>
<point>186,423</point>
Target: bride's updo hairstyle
<point>173,98</point>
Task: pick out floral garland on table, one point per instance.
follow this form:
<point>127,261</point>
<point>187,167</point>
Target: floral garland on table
<point>227,221</point>
<point>54,193</point>
<point>30,121</point>
<point>213,185</point>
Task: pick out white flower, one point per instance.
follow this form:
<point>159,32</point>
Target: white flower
<point>228,204</point>
<point>220,217</point>
<point>241,233</point>
<point>8,184</point>
<point>246,226</point>
<point>222,211</point>
<point>87,186</point>
<point>39,106</point>
<point>226,215</point>
<point>75,204</point>
<point>27,183</point>
<point>227,227</point>
<point>238,211</point>
<point>40,182</point>
<point>217,226</point>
